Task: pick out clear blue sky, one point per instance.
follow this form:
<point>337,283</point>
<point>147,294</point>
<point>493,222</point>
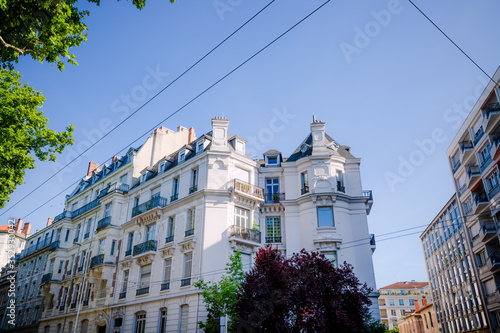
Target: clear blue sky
<point>393,91</point>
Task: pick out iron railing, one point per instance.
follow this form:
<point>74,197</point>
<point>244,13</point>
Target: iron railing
<point>35,248</point>
<point>244,233</point>
<point>142,291</point>
<point>148,205</point>
<point>466,145</point>
<point>372,239</point>
<point>340,188</point>
<point>169,239</point>
<point>97,260</point>
<point>189,232</point>
<point>368,194</point>
<point>103,223</point>
<point>185,282</point>
<point>128,252</point>
<point>193,189</point>
<point>122,295</point>
<point>116,187</point>
<point>149,245</point>
<point>165,286</point>
<point>174,197</point>
<point>46,278</point>
<point>91,205</point>
<point>54,246</point>
<point>273,198</point>
<point>478,135</point>
<point>273,239</point>
<point>304,189</point>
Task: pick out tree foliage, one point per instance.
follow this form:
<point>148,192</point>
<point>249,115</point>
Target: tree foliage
<point>23,132</point>
<point>43,29</point>
<point>220,298</point>
<point>305,293</point>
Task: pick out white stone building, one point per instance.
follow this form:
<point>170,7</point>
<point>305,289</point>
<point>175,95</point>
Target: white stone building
<point>138,233</point>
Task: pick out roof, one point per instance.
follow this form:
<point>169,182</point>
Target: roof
<point>307,151</point>
<point>406,285</point>
<point>272,152</point>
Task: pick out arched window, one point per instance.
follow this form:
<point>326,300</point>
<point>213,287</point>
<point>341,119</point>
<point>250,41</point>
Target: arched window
<point>162,321</point>
<point>140,322</point>
<point>183,319</point>
<point>85,326</point>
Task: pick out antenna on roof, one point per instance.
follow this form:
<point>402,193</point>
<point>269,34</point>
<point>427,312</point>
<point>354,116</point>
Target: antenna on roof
<point>314,118</point>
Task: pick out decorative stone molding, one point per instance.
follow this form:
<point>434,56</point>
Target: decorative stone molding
<point>168,250</point>
<point>145,259</point>
<point>126,264</point>
<point>148,217</point>
<point>324,200</point>
<point>327,243</point>
<point>268,209</point>
<point>245,201</point>
<point>187,245</point>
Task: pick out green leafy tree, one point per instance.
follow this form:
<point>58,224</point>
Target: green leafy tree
<point>23,133</point>
<point>220,298</point>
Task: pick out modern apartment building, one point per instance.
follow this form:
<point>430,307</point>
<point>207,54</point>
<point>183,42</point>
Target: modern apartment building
<point>397,300</point>
<point>454,284</point>
<point>137,233</point>
<point>473,156</point>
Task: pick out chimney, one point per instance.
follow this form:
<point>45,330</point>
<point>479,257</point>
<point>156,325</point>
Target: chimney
<point>49,221</point>
<point>424,300</point>
<point>219,134</point>
<point>416,305</point>
<point>92,166</point>
<point>18,225</point>
<point>114,159</point>
<point>27,228</point>
<point>318,138</point>
<point>192,135</point>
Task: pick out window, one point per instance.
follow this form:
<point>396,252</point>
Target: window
<point>175,186</point>
<point>67,236</point>
<point>325,217</point>
<point>102,246</point>
<point>412,302</point>
<point>188,261</point>
<point>163,322</point>
<point>481,258</point>
<point>74,206</point>
<point>140,323</point>
<point>484,156</point>
<point>136,201</point>
<point>191,215</point>
<point>493,180</point>
<point>200,146</point>
<point>167,274</point>
<point>401,302</point>
<point>455,160</point>
<point>340,181</point>
<point>150,232</point>
<point>130,241</point>
<point>391,302</point>
<point>77,236</point>
<point>107,210</point>
<point>246,261</point>
<point>59,270</point>
<point>125,281</point>
<point>123,179</point>
<point>58,235</point>
<point>143,176</point>
<point>393,312</point>
<point>161,167</point>
<point>183,325</point>
<point>272,190</point>
<point>82,263</point>
<point>51,266</point>
<point>241,217</point>
<point>304,185</point>
<point>273,229</point>
<point>272,160</point>
<point>113,246</point>
<point>194,181</point>
<point>430,319</point>
<point>155,193</point>
<point>332,256</point>
<point>145,276</point>
<point>170,229</point>
<point>182,156</point>
<point>89,225</point>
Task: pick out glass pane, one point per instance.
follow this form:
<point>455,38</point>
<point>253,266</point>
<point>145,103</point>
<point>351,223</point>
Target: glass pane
<point>325,217</point>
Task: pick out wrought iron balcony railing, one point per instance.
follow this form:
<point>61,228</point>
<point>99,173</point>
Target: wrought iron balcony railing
<point>193,189</point>
<point>185,282</point>
<point>340,188</point>
<point>116,187</point>
<point>241,186</point>
<point>273,198</point>
<point>122,295</point>
<point>304,189</point>
<point>273,239</point>
<point>244,233</point>
<point>54,246</point>
<point>97,260</point>
<point>142,291</point>
<point>128,252</point>
<point>149,245</point>
<point>86,302</point>
<point>165,286</point>
<point>148,205</point>
<point>368,194</point>
<point>478,135</point>
<point>91,205</point>
<point>103,223</point>
<point>372,239</point>
<point>174,197</point>
<point>189,232</point>
<point>169,239</point>
<point>46,278</point>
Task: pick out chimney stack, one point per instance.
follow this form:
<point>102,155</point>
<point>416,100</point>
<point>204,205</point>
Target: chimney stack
<point>424,300</point>
<point>192,135</point>
<point>49,221</point>
<point>92,167</point>
<point>27,228</point>
<point>219,134</point>
<point>318,138</point>
<point>18,225</point>
<point>416,305</point>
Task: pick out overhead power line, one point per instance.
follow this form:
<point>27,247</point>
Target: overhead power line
<point>138,109</point>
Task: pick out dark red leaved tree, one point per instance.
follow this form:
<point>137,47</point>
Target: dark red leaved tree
<point>305,293</point>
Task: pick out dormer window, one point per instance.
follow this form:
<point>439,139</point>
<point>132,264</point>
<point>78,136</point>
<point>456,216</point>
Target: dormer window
<point>238,143</point>
<point>182,156</point>
<point>161,167</point>
<point>143,176</point>
<point>272,158</point>
<point>200,146</point>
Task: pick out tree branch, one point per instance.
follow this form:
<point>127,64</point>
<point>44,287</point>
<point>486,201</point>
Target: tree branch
<point>7,45</point>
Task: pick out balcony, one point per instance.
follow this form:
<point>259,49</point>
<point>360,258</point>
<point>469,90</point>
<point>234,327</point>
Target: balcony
<point>103,223</point>
<point>87,235</point>
<point>245,234</point>
<point>487,232</point>
<point>273,198</point>
<point>185,282</point>
<point>340,188</point>
<point>240,186</point>
<point>35,248</point>
<point>273,239</point>
<point>88,207</point>
<point>165,286</point>
<point>466,151</point>
<point>473,174</point>
<point>47,278</point>
<point>128,252</point>
<point>64,215</point>
<point>485,162</point>
<point>189,232</point>
<point>122,295</point>
<point>96,261</point>
<point>73,305</point>
<point>147,246</point>
<point>115,188</point>
<point>61,308</point>
<point>495,140</point>
<point>148,205</point>
<point>142,291</point>
<point>368,194</point>
<point>54,246</point>
<point>491,114</point>
<point>169,239</point>
<point>193,189</point>
<point>174,197</point>
<point>493,262</point>
<point>86,302</point>
<point>480,202</point>
<point>478,135</point>
<point>456,166</point>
